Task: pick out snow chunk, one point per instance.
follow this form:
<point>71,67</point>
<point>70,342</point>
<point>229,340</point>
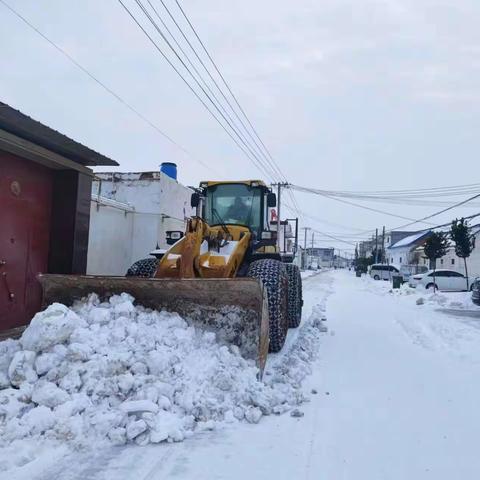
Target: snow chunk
<point>253,415</point>
<point>38,420</point>
<point>135,428</point>
<point>53,325</point>
<point>8,348</point>
<point>21,368</point>
<point>138,406</point>
<point>49,395</point>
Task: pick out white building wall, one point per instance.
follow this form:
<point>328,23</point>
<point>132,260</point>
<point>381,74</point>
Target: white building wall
<point>452,262</point>
<point>399,256</point>
<point>111,237</point>
<point>160,203</point>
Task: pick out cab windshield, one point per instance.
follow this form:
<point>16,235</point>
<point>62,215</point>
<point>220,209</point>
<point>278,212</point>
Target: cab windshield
<point>234,204</point>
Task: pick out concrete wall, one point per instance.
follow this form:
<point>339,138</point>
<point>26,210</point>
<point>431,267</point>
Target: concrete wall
<point>160,204</point>
<point>111,237</point>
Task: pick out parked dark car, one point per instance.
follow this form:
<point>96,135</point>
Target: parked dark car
<point>476,291</point>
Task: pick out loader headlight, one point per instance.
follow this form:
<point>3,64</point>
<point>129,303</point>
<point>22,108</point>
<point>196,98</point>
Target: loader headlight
<point>172,236</point>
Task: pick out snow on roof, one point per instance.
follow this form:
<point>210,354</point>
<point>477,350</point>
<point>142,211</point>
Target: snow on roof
<point>411,239</point>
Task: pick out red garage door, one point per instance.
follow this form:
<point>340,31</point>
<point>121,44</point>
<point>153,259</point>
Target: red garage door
<point>25,205</point>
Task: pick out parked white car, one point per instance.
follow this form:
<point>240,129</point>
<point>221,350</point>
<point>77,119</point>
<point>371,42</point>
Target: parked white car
<point>409,271</point>
<point>446,280</point>
<point>382,271</point>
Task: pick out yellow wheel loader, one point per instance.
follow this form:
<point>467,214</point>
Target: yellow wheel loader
<point>225,274</point>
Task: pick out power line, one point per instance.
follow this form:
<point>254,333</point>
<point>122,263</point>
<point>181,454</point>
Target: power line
<point>334,237</point>
<point>270,160</point>
<point>459,204</point>
<point>227,85</point>
<point>269,157</point>
<point>432,190</point>
<point>326,222</point>
<point>98,81</point>
<point>198,77</point>
<point>317,192</point>
<point>254,160</point>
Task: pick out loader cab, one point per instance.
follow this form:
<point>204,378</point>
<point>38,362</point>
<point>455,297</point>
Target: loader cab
<point>236,203</point>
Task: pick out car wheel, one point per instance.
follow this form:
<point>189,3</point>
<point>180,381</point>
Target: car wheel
<point>376,277</point>
<point>431,286</point>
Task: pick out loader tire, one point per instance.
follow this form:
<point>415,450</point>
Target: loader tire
<point>275,279</point>
<point>295,300</point>
<point>143,268</point>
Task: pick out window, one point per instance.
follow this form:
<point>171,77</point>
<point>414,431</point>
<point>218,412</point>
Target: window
<point>400,260</point>
<point>236,204</point>
<point>455,274</point>
<point>453,261</point>
<point>441,261</point>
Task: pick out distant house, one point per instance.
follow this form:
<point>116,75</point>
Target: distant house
<point>322,257</point>
<point>394,236</point>
<point>405,251</point>
<point>452,262</point>
<point>45,186</point>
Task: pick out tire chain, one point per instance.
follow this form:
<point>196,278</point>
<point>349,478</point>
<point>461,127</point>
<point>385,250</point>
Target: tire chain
<point>274,276</point>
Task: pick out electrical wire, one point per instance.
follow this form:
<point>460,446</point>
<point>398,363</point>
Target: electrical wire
<point>316,192</point>
<point>198,76</point>
<point>476,186</point>
<point>98,81</point>
<point>252,157</point>
<point>268,158</point>
<point>227,85</point>
<point>459,204</point>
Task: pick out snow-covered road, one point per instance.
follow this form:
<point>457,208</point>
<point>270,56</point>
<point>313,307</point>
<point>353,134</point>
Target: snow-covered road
<point>394,395</point>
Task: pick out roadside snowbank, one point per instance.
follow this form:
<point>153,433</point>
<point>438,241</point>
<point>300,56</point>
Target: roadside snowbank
<point>421,296</point>
<point>442,321</point>
<point>121,373</point>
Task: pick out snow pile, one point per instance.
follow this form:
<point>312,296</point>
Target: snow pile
<point>452,300</point>
<point>125,373</point>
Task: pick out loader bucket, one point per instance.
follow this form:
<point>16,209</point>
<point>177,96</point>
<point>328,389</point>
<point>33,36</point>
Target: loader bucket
<point>236,309</point>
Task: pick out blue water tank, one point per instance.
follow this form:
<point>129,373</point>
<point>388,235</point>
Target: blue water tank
<point>170,169</point>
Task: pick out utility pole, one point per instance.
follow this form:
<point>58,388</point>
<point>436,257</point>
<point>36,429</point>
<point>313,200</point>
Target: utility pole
<point>313,239</point>
<point>383,243</point>
<point>279,197</point>
<point>376,245</point>
<point>305,247</point>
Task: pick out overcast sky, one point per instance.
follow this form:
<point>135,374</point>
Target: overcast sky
<point>347,94</point>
